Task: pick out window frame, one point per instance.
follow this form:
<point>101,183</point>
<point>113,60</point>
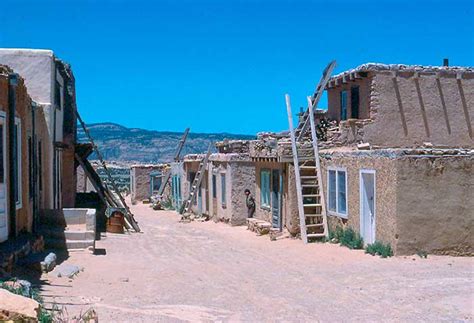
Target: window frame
<point>223,190</point>
<point>337,212</point>
<point>343,99</point>
<point>18,170</point>
<point>214,186</point>
<point>265,191</point>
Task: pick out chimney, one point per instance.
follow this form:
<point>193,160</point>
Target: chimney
<point>445,62</point>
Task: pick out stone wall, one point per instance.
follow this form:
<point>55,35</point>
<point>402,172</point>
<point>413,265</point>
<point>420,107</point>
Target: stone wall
<point>435,205</point>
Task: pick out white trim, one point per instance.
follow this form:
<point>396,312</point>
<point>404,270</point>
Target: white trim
<point>373,172</point>
<point>337,213</point>
<point>19,203</point>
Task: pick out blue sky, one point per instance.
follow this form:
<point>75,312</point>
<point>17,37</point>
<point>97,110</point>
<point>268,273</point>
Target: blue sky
<point>224,66</point>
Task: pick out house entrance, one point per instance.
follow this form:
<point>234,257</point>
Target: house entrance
<point>367,205</point>
<point>277,184</point>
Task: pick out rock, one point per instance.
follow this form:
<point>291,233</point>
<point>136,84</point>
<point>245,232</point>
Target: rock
<point>48,263</point>
<point>16,306</point>
<point>66,270</point>
<point>23,285</point>
<point>428,144</point>
<point>363,146</point>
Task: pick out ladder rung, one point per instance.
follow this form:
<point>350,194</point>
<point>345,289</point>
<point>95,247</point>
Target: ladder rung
<point>308,167</point>
<point>311,205</point>
<point>312,215</point>
<point>317,225</point>
<point>310,185</point>
<point>309,177</point>
<point>310,195</point>
<point>316,235</point>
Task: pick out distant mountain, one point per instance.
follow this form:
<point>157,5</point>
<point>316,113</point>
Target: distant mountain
<point>133,145</point>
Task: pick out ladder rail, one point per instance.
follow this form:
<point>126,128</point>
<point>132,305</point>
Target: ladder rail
<point>314,136</point>
<point>109,176</point>
<point>317,96</point>
<point>299,191</point>
<point>196,183</point>
<point>165,181</point>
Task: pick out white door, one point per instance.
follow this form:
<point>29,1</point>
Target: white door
<point>3,185</point>
<point>367,205</point>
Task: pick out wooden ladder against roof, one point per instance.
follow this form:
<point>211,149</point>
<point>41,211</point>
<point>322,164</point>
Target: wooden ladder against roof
<point>176,158</point>
<point>195,186</point>
<point>309,188</point>
<point>128,214</point>
<point>302,127</point>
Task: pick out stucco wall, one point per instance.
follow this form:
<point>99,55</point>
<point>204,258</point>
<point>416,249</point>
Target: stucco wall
<point>435,205</point>
<point>243,177</point>
<point>386,183</point>
<point>140,188</point>
<point>418,114</point>
<point>334,99</point>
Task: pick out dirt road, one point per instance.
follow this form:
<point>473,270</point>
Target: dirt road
<point>213,272</point>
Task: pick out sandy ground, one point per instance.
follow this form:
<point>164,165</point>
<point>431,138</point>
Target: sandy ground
<point>213,272</point>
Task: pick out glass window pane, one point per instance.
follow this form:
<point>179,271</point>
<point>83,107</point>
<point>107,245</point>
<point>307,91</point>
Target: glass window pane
<point>341,191</point>
<point>332,190</point>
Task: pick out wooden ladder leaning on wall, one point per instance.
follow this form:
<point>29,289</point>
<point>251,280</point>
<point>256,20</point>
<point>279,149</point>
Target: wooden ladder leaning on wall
<point>195,186</point>
<point>166,179</point>
<point>309,188</point>
<point>121,203</point>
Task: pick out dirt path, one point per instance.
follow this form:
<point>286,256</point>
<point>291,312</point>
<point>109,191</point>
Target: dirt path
<point>214,272</point>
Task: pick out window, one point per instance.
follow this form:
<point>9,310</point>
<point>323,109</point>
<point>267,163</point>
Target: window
<point>155,181</point>
<point>223,191</point>
<point>355,102</point>
<point>16,162</point>
<point>214,186</point>
<point>343,105</point>
<point>337,191</point>
<point>265,188</point>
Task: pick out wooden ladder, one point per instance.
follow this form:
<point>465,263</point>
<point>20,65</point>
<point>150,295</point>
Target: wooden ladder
<point>166,179</point>
<point>309,188</point>
<point>128,214</point>
<point>195,186</point>
<point>301,129</point>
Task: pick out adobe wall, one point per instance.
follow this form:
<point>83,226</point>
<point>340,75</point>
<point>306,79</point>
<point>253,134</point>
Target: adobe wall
<point>24,213</point>
<point>291,220</point>
<point>408,111</point>
<point>435,205</point>
<point>242,178</point>
<point>386,188</point>
<point>140,188</point>
<point>220,212</point>
<point>334,99</point>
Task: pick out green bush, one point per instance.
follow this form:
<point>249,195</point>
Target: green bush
<point>347,237</point>
<point>379,248</point>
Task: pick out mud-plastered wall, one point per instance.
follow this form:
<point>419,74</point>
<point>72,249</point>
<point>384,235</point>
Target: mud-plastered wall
<point>411,109</point>
<point>435,203</point>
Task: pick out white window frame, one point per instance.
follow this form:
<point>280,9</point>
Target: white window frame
<point>337,212</point>
<point>263,203</point>
<point>19,203</point>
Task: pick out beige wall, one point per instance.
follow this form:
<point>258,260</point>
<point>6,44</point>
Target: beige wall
<point>435,210</point>
<point>140,182</point>
<point>386,183</point>
<point>334,100</point>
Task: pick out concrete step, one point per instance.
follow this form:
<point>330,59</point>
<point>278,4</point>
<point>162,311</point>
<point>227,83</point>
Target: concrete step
<point>61,244</point>
<point>60,233</point>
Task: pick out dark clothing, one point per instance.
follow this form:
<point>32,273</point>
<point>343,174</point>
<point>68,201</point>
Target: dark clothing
<point>250,201</point>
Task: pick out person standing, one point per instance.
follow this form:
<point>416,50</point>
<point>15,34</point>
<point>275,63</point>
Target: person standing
<point>250,201</point>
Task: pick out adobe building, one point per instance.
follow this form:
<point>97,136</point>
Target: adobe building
<point>51,85</point>
<point>231,172</point>
<point>146,180</point>
<point>398,165</point>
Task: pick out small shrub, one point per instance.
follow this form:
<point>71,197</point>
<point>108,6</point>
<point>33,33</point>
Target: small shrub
<point>379,248</point>
<point>347,237</point>
<point>422,254</point>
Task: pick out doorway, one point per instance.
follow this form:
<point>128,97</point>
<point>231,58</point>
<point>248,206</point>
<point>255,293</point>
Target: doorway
<point>367,205</point>
<point>3,186</point>
<point>276,198</point>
